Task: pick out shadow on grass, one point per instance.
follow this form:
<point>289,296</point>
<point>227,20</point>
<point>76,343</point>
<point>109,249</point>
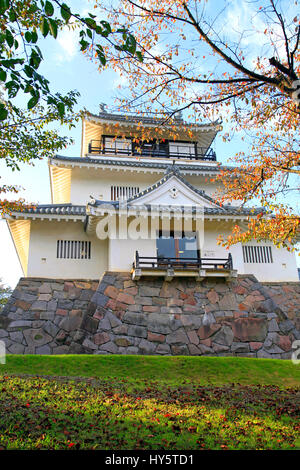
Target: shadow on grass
<point>38,413</point>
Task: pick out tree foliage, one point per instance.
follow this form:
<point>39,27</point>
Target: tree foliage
<point>5,293</point>
<point>24,135</point>
<point>239,61</point>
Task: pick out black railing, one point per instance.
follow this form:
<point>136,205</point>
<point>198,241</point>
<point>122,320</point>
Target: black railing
<point>182,263</point>
<point>202,153</point>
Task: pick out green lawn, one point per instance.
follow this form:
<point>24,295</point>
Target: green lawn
<point>148,402</point>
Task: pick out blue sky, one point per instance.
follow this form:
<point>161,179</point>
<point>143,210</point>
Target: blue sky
<point>67,69</point>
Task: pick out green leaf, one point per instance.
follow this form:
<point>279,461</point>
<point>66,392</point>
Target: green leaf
<point>106,26</point>
<point>53,27</point>
<point>28,70</point>
<point>34,36</point>
<point>9,38</point>
<point>49,10</point>
<point>28,36</point>
<point>84,44</point>
<point>139,56</point>
<point>3,112</point>
<point>12,15</point>
<point>61,108</point>
<point>89,33</point>
<point>33,101</point>
<point>101,55</point>
<point>65,12</point>
<point>4,5</point>
<point>3,75</point>
<point>44,27</point>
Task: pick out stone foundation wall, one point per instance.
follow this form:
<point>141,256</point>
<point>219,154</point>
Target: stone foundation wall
<point>149,316</point>
<point>287,296</point>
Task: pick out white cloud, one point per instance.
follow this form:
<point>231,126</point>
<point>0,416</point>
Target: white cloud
<point>68,40</point>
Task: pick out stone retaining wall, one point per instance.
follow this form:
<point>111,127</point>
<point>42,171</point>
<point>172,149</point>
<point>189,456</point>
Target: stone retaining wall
<point>149,316</point>
<point>287,296</point>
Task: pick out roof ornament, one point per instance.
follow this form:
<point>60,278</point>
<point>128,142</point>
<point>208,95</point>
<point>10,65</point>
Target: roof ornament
<point>103,107</point>
<point>178,115</point>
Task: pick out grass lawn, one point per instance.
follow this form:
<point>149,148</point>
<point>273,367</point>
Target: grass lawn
<point>148,402</point>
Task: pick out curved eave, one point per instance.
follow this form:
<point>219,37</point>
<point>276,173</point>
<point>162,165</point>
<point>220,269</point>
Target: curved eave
<point>131,164</point>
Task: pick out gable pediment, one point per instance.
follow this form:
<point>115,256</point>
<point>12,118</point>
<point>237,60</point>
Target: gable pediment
<point>172,191</point>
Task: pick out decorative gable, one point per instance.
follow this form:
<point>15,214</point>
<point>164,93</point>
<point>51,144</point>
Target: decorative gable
<point>172,190</point>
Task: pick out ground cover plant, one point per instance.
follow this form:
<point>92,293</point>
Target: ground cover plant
<point>144,402</point>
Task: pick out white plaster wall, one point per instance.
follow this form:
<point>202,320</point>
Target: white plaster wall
<point>97,182</point>
<point>42,251</point>
<point>121,252</point>
<point>283,268</point>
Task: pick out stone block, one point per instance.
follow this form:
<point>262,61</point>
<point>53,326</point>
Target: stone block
<point>87,343</point>
<point>36,337</point>
<point>51,328</point>
<point>16,336</point>
<point>39,305</point>
<point>273,326</point>
<point>155,337</point>
<point>139,331</point>
<point>114,321</point>
<point>147,347</point>
<point>146,291</point>
<point>16,348</point>
<point>163,349</point>
<point>193,337</point>
<point>135,318</point>
<point>178,336</point>
<point>194,351</point>
<point>61,312</point>
<point>250,329</point>
<point>101,338</point>
<point>109,347</point>
<point>43,349</point>
<point>240,347</point>
<point>224,336</point>
<point>179,350</point>
<point>206,331</point>
<point>123,342</point>
<point>45,288</point>
<point>111,292</point>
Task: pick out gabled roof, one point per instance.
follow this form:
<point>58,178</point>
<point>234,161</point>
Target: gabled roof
<point>173,171</point>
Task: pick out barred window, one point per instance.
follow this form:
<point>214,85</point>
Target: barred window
<point>123,192</point>
<point>73,249</point>
<point>257,254</point>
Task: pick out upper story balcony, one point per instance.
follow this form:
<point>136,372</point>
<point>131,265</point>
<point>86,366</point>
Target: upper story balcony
<point>110,145</point>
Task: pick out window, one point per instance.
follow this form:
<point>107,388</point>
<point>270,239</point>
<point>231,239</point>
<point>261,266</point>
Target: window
<point>123,192</point>
<point>257,254</point>
<point>73,249</point>
<point>183,149</point>
<point>117,145</point>
<point>170,246</point>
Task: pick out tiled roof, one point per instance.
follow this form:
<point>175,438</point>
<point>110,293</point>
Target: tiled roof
<point>138,163</point>
<point>224,210</point>
<point>136,118</point>
<point>56,209</point>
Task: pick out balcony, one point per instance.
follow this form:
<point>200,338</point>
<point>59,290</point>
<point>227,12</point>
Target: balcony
<point>96,147</point>
<point>199,268</point>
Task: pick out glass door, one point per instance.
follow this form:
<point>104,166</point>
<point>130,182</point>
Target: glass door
<point>179,248</point>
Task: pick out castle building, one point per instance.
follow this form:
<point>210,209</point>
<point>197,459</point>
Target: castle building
<point>140,205</point>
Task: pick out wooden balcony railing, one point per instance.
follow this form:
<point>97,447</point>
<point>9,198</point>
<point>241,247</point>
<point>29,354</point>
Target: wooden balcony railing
<point>95,147</point>
<point>145,262</point>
